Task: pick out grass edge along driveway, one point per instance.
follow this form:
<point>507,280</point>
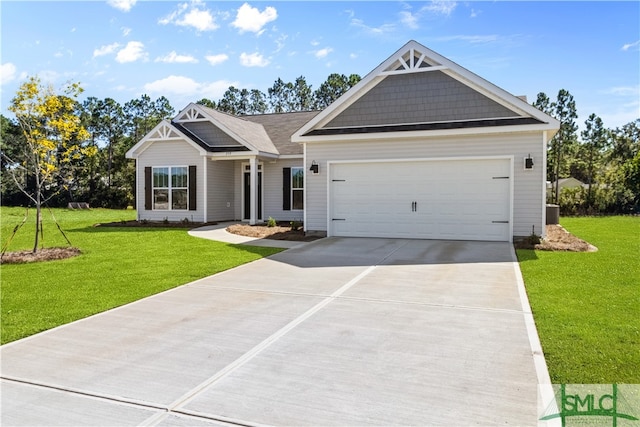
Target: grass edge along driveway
<point>118,265</point>
<point>586,306</point>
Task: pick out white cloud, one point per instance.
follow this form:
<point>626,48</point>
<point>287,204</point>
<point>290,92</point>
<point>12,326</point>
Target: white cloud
<point>172,57</point>
<point>106,49</point>
<point>623,91</point>
<point>126,31</point>
<point>253,60</point>
<point>251,19</point>
<point>131,52</point>
<point>195,15</point>
<point>7,72</point>
<point>409,19</point>
<point>441,7</point>
<point>322,53</point>
<point>633,46</point>
<point>216,59</point>
<point>376,31</point>
<point>123,5</point>
<point>186,86</point>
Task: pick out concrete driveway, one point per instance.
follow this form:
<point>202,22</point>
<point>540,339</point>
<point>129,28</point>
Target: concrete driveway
<point>341,331</point>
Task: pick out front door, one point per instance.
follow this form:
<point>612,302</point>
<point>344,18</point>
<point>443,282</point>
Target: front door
<point>247,196</point>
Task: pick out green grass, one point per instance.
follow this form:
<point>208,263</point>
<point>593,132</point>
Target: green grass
<point>587,305</point>
<point>118,265</point>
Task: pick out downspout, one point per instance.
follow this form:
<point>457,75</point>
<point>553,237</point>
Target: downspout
<point>205,201</point>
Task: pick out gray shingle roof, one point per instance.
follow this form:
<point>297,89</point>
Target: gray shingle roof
<point>280,127</point>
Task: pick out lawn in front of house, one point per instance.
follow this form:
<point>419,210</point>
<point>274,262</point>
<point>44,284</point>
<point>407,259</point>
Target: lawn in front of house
<point>118,265</point>
<point>587,305</point>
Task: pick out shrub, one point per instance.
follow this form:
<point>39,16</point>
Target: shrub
<point>271,222</point>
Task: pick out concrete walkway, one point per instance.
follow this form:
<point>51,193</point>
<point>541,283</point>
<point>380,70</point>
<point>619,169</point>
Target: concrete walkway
<point>335,332</point>
<point>218,232</point>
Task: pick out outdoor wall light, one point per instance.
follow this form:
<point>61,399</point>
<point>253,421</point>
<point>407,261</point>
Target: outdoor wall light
<point>528,162</point>
<point>315,168</point>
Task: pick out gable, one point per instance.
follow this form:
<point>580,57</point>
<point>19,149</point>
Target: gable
<point>419,98</point>
<point>164,131</point>
<point>417,92</point>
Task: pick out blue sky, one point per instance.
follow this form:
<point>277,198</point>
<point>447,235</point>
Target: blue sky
<point>190,50</point>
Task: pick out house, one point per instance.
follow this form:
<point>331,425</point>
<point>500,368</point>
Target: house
<point>419,148</point>
<point>563,183</point>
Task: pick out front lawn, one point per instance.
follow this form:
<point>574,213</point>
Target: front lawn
<point>118,265</point>
<point>587,305</point>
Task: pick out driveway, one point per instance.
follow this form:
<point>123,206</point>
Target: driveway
<point>341,331</point>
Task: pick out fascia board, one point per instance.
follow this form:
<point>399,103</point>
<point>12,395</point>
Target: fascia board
<point>407,135</point>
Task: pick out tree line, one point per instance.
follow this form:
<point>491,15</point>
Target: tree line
<point>86,162</point>
<point>606,160</point>
<point>98,172</point>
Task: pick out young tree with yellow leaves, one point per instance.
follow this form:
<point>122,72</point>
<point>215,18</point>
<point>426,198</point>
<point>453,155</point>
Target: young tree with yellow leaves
<point>55,142</point>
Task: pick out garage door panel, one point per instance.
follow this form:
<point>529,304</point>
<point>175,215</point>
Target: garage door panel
<point>452,199</point>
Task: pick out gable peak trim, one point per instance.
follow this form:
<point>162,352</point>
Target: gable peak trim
<point>410,60</point>
<point>190,114</point>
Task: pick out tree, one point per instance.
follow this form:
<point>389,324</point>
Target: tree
<point>281,96</point>
<point>333,88</point>
<point>257,102</point>
<point>594,140</point>
<point>207,103</point>
<point>234,101</point>
<point>11,148</point>
<point>303,95</point>
<point>564,142</point>
<point>54,140</point>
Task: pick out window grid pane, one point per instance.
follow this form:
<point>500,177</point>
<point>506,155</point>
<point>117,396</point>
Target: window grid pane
<point>179,177</point>
<point>161,177</point>
<point>179,199</point>
<point>298,200</point>
<point>297,178</point>
<point>161,199</point>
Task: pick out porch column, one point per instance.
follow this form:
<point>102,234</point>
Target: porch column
<point>253,189</point>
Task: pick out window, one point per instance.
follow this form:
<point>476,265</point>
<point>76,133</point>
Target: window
<point>297,188</point>
<point>170,188</point>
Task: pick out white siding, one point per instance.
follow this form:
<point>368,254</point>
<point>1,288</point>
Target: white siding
<point>221,185</point>
<point>170,153</point>
<point>272,190</point>
<point>528,185</point>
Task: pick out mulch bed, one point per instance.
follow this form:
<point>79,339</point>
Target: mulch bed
<point>44,254</point>
<point>557,239</point>
<point>279,232</point>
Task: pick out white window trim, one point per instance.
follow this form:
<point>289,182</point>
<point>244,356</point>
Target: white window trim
<point>169,189</point>
<point>304,176</point>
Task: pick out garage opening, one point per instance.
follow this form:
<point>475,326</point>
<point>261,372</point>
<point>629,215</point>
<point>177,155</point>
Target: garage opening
<point>466,199</point>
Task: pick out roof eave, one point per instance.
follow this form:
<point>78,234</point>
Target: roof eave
<point>549,128</point>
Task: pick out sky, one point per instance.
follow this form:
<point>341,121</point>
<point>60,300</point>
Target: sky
<point>196,49</point>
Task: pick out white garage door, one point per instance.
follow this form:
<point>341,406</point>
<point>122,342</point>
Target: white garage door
<point>448,199</point>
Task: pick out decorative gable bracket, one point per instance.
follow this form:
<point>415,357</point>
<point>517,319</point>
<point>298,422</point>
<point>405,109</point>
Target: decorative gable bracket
<point>190,114</point>
<point>411,61</point>
<point>164,131</point>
